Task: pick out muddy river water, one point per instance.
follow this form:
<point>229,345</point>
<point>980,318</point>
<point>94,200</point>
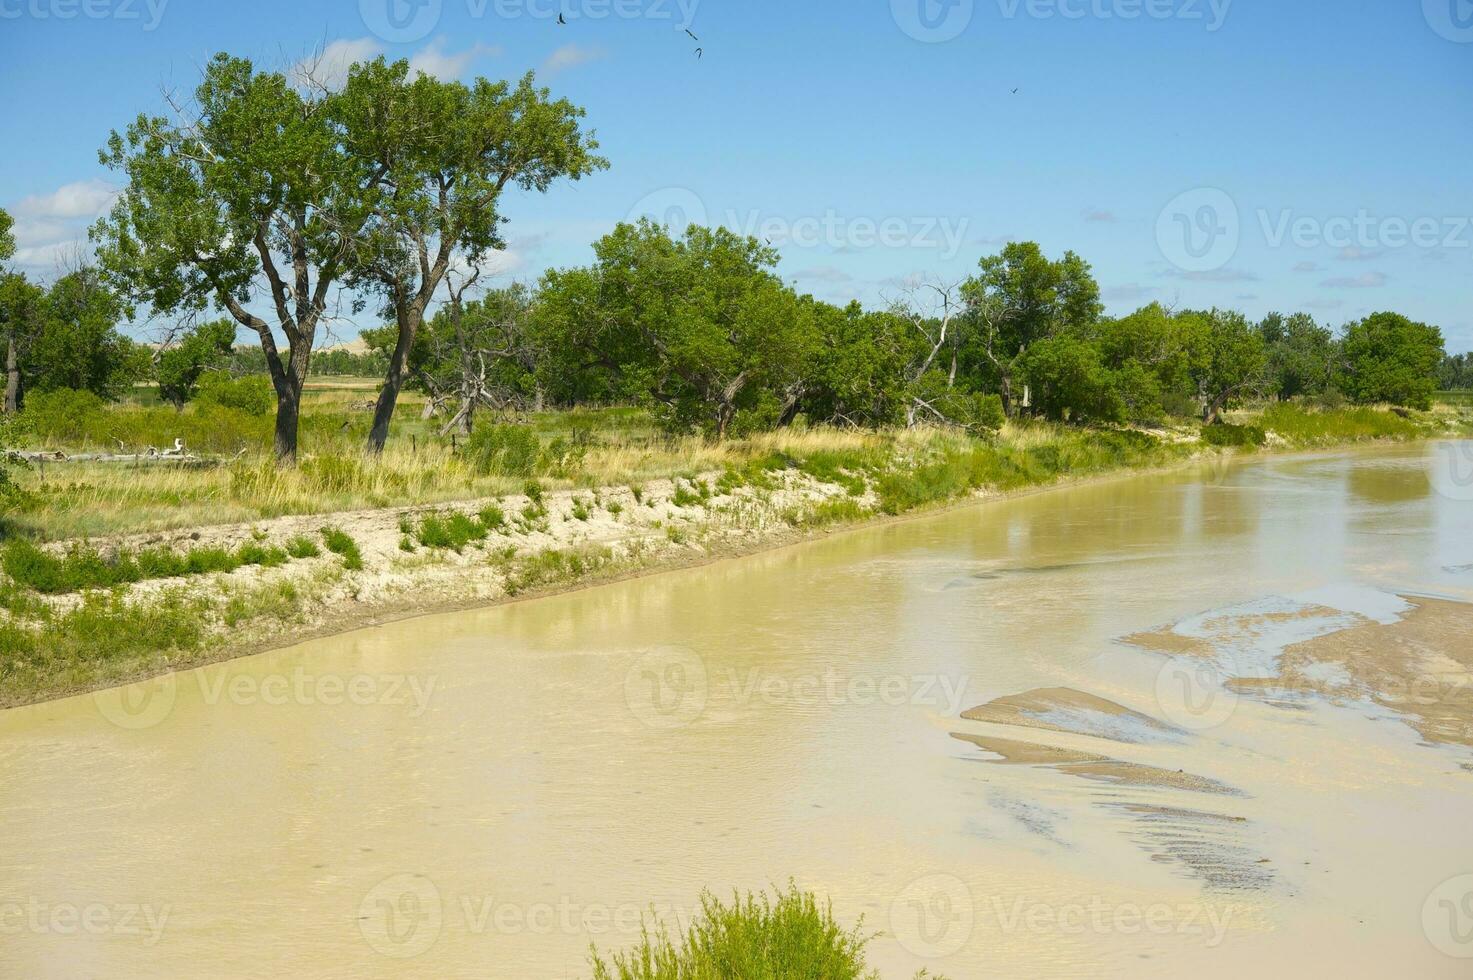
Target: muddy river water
<point>1211,723</point>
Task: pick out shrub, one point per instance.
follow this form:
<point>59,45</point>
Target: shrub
<point>1224,434</point>
<point>252,394</point>
<point>62,415</point>
<point>339,542</point>
<point>302,546</point>
<point>511,450</point>
<point>493,518</point>
<point>755,938</point>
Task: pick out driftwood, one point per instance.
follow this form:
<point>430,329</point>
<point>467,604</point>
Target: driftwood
<point>175,454</point>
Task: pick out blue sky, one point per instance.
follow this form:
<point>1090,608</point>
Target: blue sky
<point>1255,154</point>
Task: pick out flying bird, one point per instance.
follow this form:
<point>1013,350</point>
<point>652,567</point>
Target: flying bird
<point>698,53</point>
<point>560,18</point>
<point>692,36</point>
<point>1015,91</point>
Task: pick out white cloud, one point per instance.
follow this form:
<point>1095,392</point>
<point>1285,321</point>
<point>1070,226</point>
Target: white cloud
<point>1353,253</point>
<point>82,199</point>
<point>1215,275</point>
<point>572,55</point>
<point>1307,267</point>
<point>433,59</point>
<point>1107,217</point>
<point>329,67</point>
<point>1128,292</point>
<point>1366,280</point>
<point>823,273</point>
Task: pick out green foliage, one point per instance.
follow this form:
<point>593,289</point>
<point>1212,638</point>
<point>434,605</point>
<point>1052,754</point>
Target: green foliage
<point>698,327</point>
<point>1070,382</point>
<point>102,636</point>
<point>179,367</point>
<point>1390,358</point>
<point>62,414</point>
<point>340,543</point>
<point>1306,427</point>
<point>83,567</point>
<point>1224,434</point>
<point>78,345</point>
<point>510,450</point>
<point>452,530</point>
<point>756,938</point>
<point>1303,357</point>
<point>252,395</point>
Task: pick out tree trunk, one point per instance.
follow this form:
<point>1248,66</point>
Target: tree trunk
<point>12,379</point>
<point>409,318</point>
<point>288,383</point>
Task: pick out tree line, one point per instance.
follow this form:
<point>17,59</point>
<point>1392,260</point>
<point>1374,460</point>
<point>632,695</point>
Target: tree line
<point>268,194</point>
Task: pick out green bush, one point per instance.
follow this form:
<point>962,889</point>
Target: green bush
<point>252,394</point>
<point>754,938</point>
<point>1225,434</point>
<point>511,450</point>
<point>61,415</point>
<point>339,542</point>
<point>302,546</point>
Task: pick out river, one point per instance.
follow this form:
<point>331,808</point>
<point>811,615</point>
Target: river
<point>486,793</point>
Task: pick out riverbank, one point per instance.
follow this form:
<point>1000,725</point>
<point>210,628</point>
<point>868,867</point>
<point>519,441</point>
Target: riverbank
<point>80,615</point>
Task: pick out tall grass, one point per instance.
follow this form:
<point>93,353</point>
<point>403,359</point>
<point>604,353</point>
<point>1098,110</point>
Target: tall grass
<point>752,938</point>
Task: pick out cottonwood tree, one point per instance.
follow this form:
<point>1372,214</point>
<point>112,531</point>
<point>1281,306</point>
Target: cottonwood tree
<point>700,326</point>
<point>1228,359</point>
<point>448,151</point>
<point>180,363</point>
<point>1391,358</point>
<point>1019,297</point>
<point>22,317</point>
<point>246,197</point>
<point>78,345</point>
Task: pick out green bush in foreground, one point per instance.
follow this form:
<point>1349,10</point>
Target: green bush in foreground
<point>83,567</point>
<point>339,542</point>
<point>754,938</point>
